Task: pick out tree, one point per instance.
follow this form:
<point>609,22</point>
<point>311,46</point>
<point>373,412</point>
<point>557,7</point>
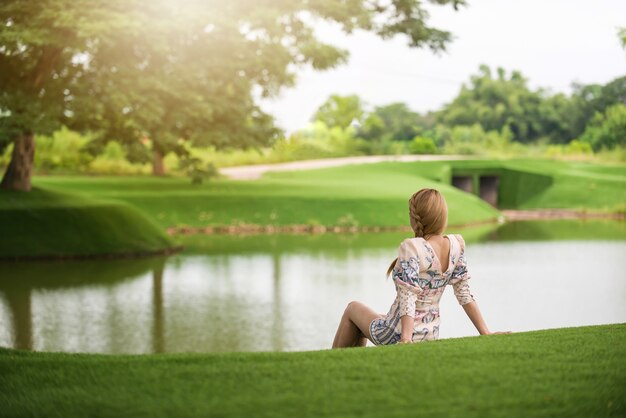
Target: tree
<point>561,118</point>
<point>495,103</point>
<point>590,99</point>
<point>170,71</point>
<point>607,129</point>
<point>340,111</point>
<point>393,122</point>
<point>44,46</point>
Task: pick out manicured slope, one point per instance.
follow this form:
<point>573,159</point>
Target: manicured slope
<point>579,185</point>
<point>370,195</point>
<point>574,372</point>
<point>575,185</point>
<point>356,195</point>
<point>50,224</point>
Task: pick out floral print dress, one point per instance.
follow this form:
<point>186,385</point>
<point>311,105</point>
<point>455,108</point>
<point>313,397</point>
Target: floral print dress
<point>419,285</point>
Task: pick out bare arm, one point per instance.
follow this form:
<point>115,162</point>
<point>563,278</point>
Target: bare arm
<point>472,311</point>
<point>406,322</point>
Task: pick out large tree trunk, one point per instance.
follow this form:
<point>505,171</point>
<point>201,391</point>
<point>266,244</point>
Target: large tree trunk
<point>158,167</point>
<point>18,174</point>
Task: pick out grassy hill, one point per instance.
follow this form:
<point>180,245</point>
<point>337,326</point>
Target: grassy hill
<point>572,372</point>
<point>97,215</point>
<point>373,195</point>
<point>46,223</point>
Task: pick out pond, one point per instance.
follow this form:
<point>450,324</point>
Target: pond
<point>287,292</point>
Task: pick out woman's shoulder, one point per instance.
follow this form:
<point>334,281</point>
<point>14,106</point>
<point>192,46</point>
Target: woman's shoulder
<point>460,240</point>
<point>409,245</point>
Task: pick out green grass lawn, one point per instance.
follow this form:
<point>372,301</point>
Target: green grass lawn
<point>48,223</point>
<point>355,195</point>
<point>572,372</point>
<point>578,185</point>
<point>575,185</point>
<point>371,195</point>
<point>50,219</point>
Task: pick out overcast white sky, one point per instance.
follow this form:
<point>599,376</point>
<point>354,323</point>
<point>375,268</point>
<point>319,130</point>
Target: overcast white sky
<point>552,42</point>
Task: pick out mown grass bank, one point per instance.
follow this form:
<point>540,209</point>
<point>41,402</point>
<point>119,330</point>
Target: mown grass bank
<point>53,219</point>
<point>565,372</point>
<point>346,196</point>
<point>48,224</point>
<point>357,195</point>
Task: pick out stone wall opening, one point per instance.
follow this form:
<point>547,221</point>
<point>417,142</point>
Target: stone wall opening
<point>464,183</point>
<point>488,189</point>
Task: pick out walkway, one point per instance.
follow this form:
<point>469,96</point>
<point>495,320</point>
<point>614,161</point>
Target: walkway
<point>253,172</point>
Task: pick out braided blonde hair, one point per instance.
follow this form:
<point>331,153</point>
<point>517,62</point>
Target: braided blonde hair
<point>428,215</point>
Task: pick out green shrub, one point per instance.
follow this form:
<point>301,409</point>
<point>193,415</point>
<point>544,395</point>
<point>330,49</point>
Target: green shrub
<point>574,150</point>
<point>421,145</point>
<point>317,141</point>
<point>62,152</point>
<point>113,161</point>
<point>608,129</point>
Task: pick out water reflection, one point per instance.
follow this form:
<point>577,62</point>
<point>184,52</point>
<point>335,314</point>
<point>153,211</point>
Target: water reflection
<point>236,294</point>
<point>22,320</point>
<point>158,319</point>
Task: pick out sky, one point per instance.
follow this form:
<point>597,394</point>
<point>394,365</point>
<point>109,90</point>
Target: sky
<point>553,43</point>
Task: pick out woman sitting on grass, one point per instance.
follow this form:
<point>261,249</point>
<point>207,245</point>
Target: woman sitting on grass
<point>425,265</point>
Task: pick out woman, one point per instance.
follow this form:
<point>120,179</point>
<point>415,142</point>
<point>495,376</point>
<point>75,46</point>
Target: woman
<point>425,265</point>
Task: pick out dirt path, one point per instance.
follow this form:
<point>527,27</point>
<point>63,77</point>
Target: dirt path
<point>253,172</point>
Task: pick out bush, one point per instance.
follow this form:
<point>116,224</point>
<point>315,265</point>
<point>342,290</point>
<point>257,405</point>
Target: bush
<point>421,145</point>
<point>64,151</point>
<point>317,141</point>
<point>608,129</point>
<point>113,161</point>
<point>575,149</point>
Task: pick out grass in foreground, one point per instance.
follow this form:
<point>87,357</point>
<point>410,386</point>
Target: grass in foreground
<point>565,372</point>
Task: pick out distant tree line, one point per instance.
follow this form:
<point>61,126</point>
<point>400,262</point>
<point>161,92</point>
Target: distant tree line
<point>492,107</point>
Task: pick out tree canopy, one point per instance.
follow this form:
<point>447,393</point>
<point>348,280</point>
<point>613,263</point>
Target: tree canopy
<point>340,111</point>
<point>191,70</point>
<point>607,129</point>
<point>499,102</point>
<point>495,102</point>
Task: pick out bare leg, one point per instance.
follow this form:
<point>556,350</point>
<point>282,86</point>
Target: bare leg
<point>353,330</point>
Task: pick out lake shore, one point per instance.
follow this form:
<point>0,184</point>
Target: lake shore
<point>507,215</point>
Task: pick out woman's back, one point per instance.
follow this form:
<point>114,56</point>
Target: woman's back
<point>420,273</point>
<point>420,268</point>
<point>441,247</point>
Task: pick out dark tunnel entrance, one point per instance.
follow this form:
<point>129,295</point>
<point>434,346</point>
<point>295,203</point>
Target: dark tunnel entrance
<point>488,189</point>
<point>485,186</point>
<point>464,183</point>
